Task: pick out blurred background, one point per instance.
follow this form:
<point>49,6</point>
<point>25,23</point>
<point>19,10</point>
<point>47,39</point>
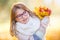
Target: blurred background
<point>53,29</point>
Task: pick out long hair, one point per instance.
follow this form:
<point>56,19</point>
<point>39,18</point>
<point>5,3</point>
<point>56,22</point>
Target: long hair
<point>13,11</point>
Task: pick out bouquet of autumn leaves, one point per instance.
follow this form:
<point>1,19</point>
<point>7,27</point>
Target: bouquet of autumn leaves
<point>41,12</point>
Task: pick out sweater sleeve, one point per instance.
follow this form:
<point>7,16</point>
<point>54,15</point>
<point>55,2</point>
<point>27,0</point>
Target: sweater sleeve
<point>43,26</point>
<point>44,22</point>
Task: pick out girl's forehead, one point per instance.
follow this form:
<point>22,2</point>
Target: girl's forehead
<point>19,11</point>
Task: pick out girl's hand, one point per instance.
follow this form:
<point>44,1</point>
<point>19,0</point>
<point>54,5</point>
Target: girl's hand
<point>45,21</point>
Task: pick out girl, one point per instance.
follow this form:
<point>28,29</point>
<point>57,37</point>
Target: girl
<point>25,25</point>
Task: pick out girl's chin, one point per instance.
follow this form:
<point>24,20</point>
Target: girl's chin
<point>24,22</point>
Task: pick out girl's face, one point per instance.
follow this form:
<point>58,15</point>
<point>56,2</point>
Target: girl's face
<point>21,16</point>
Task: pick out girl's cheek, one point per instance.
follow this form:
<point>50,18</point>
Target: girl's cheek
<point>18,19</point>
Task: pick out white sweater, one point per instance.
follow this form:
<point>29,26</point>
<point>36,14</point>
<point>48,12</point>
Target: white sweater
<point>30,27</point>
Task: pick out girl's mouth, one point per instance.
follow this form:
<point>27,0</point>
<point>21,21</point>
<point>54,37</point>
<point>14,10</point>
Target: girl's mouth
<point>25,20</point>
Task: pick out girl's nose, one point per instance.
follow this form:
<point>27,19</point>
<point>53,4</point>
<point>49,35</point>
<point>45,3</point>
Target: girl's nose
<point>24,17</point>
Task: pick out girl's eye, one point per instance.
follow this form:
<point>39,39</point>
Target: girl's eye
<point>26,14</point>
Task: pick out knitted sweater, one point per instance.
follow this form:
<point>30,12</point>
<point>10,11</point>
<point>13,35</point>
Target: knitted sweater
<point>30,27</point>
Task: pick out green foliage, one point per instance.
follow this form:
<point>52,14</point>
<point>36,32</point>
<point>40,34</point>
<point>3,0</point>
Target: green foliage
<point>3,2</point>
